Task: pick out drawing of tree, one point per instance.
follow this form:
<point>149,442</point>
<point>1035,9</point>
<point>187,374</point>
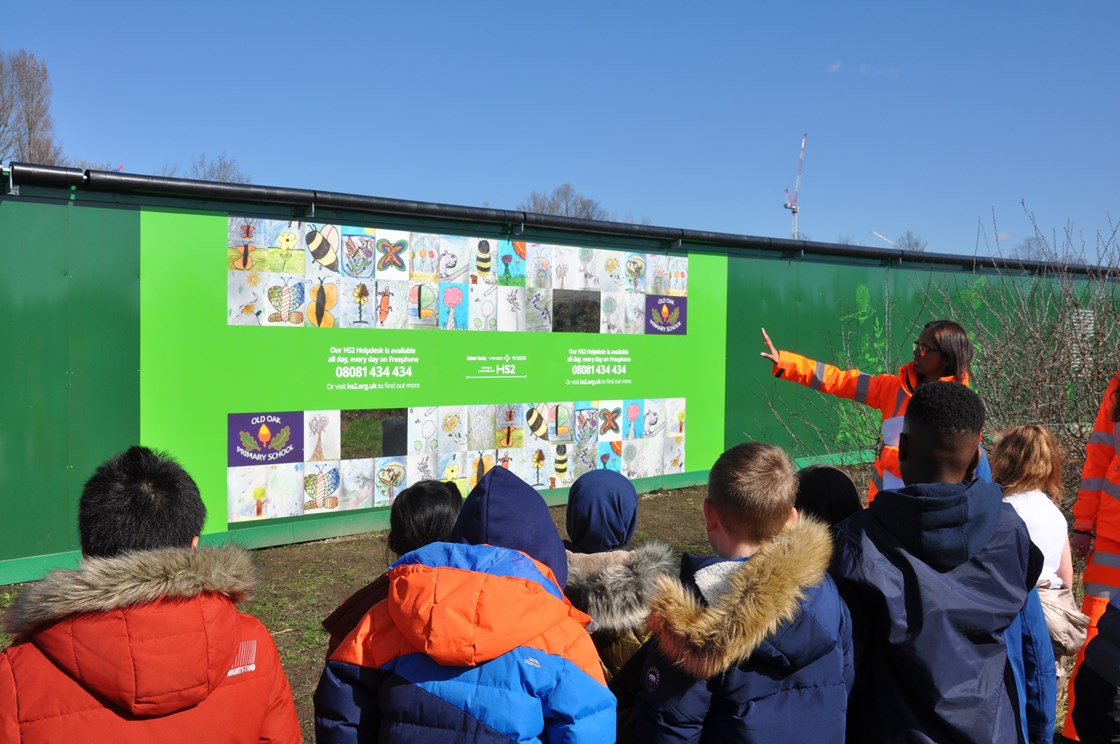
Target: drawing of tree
<point>318,425</point>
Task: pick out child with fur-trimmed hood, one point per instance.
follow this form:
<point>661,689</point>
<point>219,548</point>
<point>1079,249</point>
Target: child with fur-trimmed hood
<point>143,641</point>
<point>610,583</point>
<point>752,644</point>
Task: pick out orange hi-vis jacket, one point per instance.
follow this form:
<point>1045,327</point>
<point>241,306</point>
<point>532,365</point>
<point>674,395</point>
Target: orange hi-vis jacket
<point>889,393</point>
<point>1097,510</point>
<point>1098,499</point>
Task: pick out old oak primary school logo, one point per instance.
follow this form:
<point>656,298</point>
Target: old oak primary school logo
<point>666,314</point>
<point>265,438</point>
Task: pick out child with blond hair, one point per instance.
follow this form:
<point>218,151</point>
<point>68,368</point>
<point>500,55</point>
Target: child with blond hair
<point>1028,464</point>
<point>756,634</point>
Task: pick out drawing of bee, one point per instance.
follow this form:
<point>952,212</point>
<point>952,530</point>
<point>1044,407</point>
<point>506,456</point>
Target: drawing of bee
<point>322,244</point>
<point>484,258</point>
<point>537,419</point>
<point>561,463</point>
<point>323,298</point>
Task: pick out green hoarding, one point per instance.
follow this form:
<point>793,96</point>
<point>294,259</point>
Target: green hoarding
<point>308,355</point>
<point>301,412</point>
<point>71,300</point>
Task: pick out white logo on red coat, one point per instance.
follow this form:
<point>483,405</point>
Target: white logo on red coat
<point>245,660</point>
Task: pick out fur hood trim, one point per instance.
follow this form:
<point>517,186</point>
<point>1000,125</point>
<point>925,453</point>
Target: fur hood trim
<point>615,588</point>
<point>763,593</point>
<point>103,584</point>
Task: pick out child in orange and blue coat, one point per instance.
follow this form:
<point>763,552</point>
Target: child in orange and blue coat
<point>475,641</point>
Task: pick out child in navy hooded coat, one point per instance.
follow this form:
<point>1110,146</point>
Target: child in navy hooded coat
<point>936,575</point>
<point>755,645</point>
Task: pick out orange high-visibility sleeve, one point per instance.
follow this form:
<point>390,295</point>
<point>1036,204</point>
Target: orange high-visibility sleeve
<point>1100,451</point>
<point>876,391</point>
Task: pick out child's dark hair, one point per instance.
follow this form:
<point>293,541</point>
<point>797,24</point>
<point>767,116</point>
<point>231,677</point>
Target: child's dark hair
<point>946,409</point>
<point>753,486</point>
<point>827,494</point>
<point>422,514</point>
<point>138,500</point>
<point>953,341</point>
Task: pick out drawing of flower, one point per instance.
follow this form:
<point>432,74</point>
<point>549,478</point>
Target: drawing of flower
<point>361,296</point>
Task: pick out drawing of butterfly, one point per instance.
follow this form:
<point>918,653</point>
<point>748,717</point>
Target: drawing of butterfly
<point>391,255</point>
<point>286,299</point>
<point>610,421</point>
<point>247,230</point>
<point>241,257</point>
<point>324,297</point>
<point>319,488</point>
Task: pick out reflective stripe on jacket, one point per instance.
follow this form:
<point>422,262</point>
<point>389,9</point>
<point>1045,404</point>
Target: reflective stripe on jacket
<point>890,394</point>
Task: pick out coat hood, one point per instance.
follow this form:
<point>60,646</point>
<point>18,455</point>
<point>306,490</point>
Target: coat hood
<point>463,605</point>
<point>129,627</point>
<point>762,594</point>
<point>505,511</point>
<point>942,524</point>
<point>615,588</point>
<point>602,511</point>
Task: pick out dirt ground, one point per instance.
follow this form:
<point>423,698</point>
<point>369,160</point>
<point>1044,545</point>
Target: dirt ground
<point>301,584</point>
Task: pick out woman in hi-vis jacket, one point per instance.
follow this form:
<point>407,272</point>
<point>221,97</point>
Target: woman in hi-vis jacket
<point>1096,521</point>
<point>942,351</point>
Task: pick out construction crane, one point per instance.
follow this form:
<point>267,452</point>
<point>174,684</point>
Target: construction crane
<point>791,201</point>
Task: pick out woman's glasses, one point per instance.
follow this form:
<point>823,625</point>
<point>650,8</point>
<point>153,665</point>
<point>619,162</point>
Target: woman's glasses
<point>921,349</point>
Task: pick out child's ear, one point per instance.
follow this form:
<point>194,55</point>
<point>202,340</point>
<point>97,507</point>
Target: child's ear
<point>711,518</point>
<point>194,542</point>
<point>970,471</point>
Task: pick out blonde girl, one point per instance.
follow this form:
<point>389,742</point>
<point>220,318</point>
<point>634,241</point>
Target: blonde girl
<point>1028,464</point>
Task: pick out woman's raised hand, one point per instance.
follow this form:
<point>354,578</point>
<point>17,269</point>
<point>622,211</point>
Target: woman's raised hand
<point>771,353</point>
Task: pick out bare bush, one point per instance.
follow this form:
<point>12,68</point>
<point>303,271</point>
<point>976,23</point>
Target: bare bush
<point>1047,338</point>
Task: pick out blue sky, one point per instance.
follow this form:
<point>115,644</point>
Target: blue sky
<point>921,116</point>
